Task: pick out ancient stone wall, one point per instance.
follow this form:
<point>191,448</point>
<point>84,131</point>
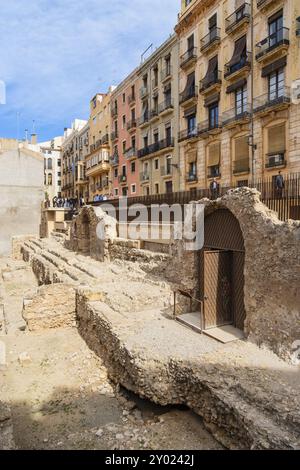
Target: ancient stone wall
<point>272,270</point>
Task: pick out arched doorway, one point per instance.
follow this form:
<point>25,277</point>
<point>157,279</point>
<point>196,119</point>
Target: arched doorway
<point>222,271</point>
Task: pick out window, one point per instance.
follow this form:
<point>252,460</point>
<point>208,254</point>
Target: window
<point>275,29</point>
<point>169,187</point>
<point>276,84</point>
<point>123,98</point>
<point>116,173</point>
<point>59,183</point>
<point>49,180</point>
<point>116,191</point>
<point>241,100</point>
<point>213,115</point>
<point>145,140</point>
<point>241,151</point>
<point>191,125</point>
<point>133,142</point>
<point>190,43</point>
<point>213,160</point>
<point>59,174</point>
<point>58,162</point>
<point>276,140</point>
<point>156,164</point>
<point>132,167</point>
<point>133,189</point>
<point>49,164</point>
<point>123,121</point>
<point>124,170</point>
<point>168,135</point>
<point>124,146</point>
<point>169,165</point>
<point>156,188</point>
<point>155,137</point>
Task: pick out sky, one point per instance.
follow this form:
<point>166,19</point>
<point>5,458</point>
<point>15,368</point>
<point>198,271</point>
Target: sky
<point>55,55</point>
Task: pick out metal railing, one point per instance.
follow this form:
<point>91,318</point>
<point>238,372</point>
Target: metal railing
<point>144,91</point>
<point>114,160</point>
<point>131,98</point>
<point>269,100</point>
<point>167,104</point>
<point>154,113</point>
<point>236,114</point>
<point>209,126</point>
<point>213,171</point>
<point>131,124</point>
<point>272,41</point>
<point>190,54</point>
<point>263,3</point>
<point>211,79</point>
<point>143,119</point>
<point>210,38</point>
<point>130,153</point>
<point>191,177</point>
<point>241,166</point>
<point>191,92</point>
<point>156,147</point>
<point>144,176</point>
<point>240,14</point>
<point>188,133</point>
<point>114,135</point>
<point>245,61</point>
<point>114,112</point>
<point>275,160</point>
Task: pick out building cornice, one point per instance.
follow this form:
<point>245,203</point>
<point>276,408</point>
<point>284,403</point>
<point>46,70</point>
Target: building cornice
<point>191,15</point>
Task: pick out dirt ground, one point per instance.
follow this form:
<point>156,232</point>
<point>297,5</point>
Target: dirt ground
<point>60,395</point>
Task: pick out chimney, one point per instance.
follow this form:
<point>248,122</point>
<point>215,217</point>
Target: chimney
<point>33,139</point>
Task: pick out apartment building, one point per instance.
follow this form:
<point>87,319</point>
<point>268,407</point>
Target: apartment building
<point>218,55</point>
<point>158,122</point>
<point>125,138</point>
<point>70,156</point>
<point>81,180</point>
<point>97,160</point>
<point>51,151</point>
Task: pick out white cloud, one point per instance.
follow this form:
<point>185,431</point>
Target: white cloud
<point>56,53</point>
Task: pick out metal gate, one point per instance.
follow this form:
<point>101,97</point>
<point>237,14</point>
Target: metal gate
<point>217,289</point>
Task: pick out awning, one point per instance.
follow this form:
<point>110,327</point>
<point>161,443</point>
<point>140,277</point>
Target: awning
<point>190,83</point>
<point>240,49</point>
<point>235,86</point>
<point>212,99</point>
<point>214,152</point>
<point>212,68</point>
<point>190,111</point>
<point>241,148</point>
<point>276,137</point>
<point>278,64</point>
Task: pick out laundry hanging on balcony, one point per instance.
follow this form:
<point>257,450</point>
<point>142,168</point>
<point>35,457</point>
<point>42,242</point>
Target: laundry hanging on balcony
<point>239,53</point>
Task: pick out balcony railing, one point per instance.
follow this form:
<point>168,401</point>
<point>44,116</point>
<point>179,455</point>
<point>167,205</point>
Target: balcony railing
<point>241,166</point>
<point>131,124</point>
<point>190,54</point>
<point>243,13</point>
<point>144,91</point>
<point>269,100</point>
<point>114,135</point>
<point>114,159</point>
<point>188,133</point>
<point>165,105</point>
<point>272,41</point>
<point>188,94</point>
<point>275,160</point>
<point>143,119</point>
<point>105,139</point>
<point>191,177</point>
<point>156,147</point>
<point>166,170</point>
<point>114,112</point>
<point>236,114</point>
<point>207,126</point>
<point>166,73</point>
<point>131,99</point>
<point>154,113</point>
<point>244,62</point>
<point>213,36</point>
<point>144,176</point>
<point>212,79</point>
<point>130,153</point>
<point>123,179</point>
<point>155,83</point>
<point>213,171</point>
<point>264,3</point>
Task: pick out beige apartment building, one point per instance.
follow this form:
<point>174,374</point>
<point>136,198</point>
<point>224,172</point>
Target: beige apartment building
<point>97,161</point>
<point>81,181</point>
<point>158,94</point>
<point>218,55</point>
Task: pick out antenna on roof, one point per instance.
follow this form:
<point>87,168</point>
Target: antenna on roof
<point>145,52</point>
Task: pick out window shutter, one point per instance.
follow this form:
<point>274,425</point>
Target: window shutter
<point>241,148</point>
<point>276,139</point>
<point>192,156</point>
<point>214,151</point>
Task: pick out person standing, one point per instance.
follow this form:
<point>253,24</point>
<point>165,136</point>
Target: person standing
<point>279,184</point>
<point>214,189</point>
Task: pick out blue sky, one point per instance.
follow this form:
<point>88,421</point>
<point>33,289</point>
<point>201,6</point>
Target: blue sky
<point>56,54</point>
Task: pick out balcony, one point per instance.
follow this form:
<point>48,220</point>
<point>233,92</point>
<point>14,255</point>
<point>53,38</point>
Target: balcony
<point>240,68</point>
<point>114,135</point>
<point>114,112</point>
<point>92,148</point>
<point>277,100</point>
<point>114,160</point>
<point>156,147</point>
<point>240,17</point>
<point>131,99</point>
<point>166,106</point>
<point>154,114</point>
<point>123,179</point>
<point>191,94</point>
<point>188,134</point>
<point>211,82</point>
<point>241,166</point>
<point>130,153</point>
<point>154,83</point>
<point>298,26</point>
<point>100,167</point>
<point>206,128</point>
<point>166,73</point>
<point>105,140</point>
<point>188,58</point>
<point>212,39</point>
<point>276,160</point>
<point>143,120</point>
<point>144,176</point>
<point>191,177</point>
<point>236,116</point>
<point>265,4</point>
<point>144,92</point>
<point>131,125</point>
<point>166,171</point>
<point>272,45</point>
<point>213,171</point>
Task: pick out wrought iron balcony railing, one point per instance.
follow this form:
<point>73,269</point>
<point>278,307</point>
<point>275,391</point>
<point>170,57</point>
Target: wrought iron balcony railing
<point>154,113</point>
<point>143,119</point>
<point>114,159</point>
<point>190,54</point>
<point>245,61</point>
<point>188,133</point>
<point>213,36</point>
<point>130,153</point>
<point>191,177</point>
<point>165,105</point>
<point>271,42</point>
<point>241,166</point>
<point>212,79</point>
<point>242,13</point>
<point>209,126</point>
<point>275,160</point>
<point>114,135</point>
<point>131,124</point>
<point>188,94</point>
<point>131,98</point>
<point>269,100</point>
<point>156,147</point>
<point>236,114</point>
